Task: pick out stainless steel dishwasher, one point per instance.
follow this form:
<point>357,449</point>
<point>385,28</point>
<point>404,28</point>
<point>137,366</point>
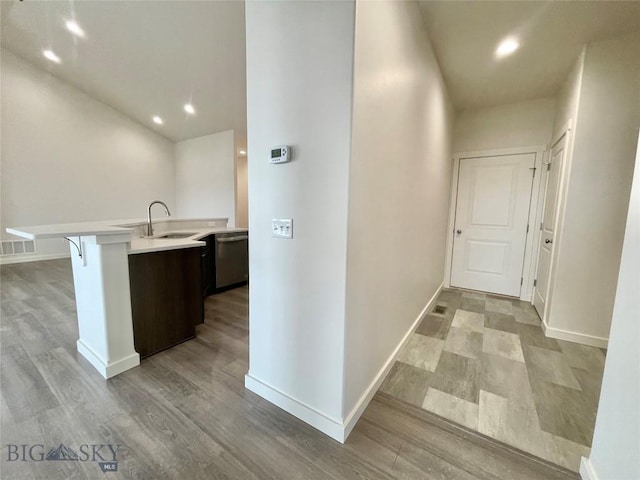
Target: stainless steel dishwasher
<point>231,259</point>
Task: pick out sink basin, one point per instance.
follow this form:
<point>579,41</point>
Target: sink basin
<point>176,235</point>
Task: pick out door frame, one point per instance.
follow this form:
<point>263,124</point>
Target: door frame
<point>531,251</point>
<point>563,189</point>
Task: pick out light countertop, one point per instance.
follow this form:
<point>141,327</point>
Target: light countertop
<point>150,244</point>
<point>200,227</point>
<point>81,229</point>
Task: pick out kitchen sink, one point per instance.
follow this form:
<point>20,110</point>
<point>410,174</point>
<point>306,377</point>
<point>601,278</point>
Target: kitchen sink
<point>176,235</point>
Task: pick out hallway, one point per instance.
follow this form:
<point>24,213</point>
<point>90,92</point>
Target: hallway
<point>185,413</point>
<point>484,362</point>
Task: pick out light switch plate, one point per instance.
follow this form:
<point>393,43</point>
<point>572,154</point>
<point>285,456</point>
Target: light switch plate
<point>282,227</point>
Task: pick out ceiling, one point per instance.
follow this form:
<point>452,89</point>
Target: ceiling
<point>465,34</point>
<point>147,58</point>
<point>143,58</point>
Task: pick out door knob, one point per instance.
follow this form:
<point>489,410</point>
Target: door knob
<point>548,241</point>
<point>458,232</point>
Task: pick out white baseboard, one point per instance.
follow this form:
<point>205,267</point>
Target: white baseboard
<point>353,417</point>
<point>338,430</point>
<point>9,259</point>
<point>575,337</point>
<point>586,470</point>
<point>304,412</point>
<point>110,369</point>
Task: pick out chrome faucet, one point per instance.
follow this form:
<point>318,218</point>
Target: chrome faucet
<point>149,223</point>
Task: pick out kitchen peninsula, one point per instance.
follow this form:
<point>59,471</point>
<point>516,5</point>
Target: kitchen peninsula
<point>101,274</point>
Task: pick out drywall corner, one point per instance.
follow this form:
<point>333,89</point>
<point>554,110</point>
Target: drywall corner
<point>399,182</point>
<point>299,90</point>
<point>205,176</point>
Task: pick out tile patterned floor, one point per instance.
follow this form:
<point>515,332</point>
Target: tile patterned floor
<point>485,363</point>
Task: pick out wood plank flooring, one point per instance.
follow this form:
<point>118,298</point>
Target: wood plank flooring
<point>185,414</point>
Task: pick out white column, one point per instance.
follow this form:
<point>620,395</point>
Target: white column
<point>103,301</point>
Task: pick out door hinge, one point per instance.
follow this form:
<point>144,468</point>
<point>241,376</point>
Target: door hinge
<point>541,225</point>
<point>527,228</point>
<point>521,280</point>
<point>548,166</point>
<point>535,282</point>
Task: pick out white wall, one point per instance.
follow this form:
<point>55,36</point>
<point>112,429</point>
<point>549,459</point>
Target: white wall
<point>567,99</point>
<point>605,139</point>
<point>399,188</point>
<point>615,451</point>
<point>67,157</point>
<point>565,118</point>
<point>519,124</point>
<point>242,191</point>
<point>242,179</point>
<point>299,81</point>
<point>205,177</point>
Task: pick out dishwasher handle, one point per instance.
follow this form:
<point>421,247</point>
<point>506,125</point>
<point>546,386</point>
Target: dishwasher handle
<point>239,238</point>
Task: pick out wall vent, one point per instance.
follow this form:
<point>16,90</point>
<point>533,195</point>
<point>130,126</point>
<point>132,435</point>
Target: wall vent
<point>17,247</point>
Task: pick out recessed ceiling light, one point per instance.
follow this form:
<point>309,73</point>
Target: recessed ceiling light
<point>49,55</point>
<point>158,120</point>
<point>189,109</point>
<point>507,47</point>
<point>242,152</point>
<point>74,28</point>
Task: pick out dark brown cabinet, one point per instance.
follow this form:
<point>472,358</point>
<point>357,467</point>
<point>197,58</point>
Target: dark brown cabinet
<point>166,297</point>
<point>208,266</point>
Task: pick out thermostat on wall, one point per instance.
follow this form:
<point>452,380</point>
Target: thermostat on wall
<point>280,154</point>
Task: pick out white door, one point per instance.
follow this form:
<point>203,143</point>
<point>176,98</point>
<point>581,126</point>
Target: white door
<point>552,184</point>
<point>490,232</point>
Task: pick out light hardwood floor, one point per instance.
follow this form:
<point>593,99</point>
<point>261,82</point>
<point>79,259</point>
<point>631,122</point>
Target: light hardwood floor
<point>185,414</point>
